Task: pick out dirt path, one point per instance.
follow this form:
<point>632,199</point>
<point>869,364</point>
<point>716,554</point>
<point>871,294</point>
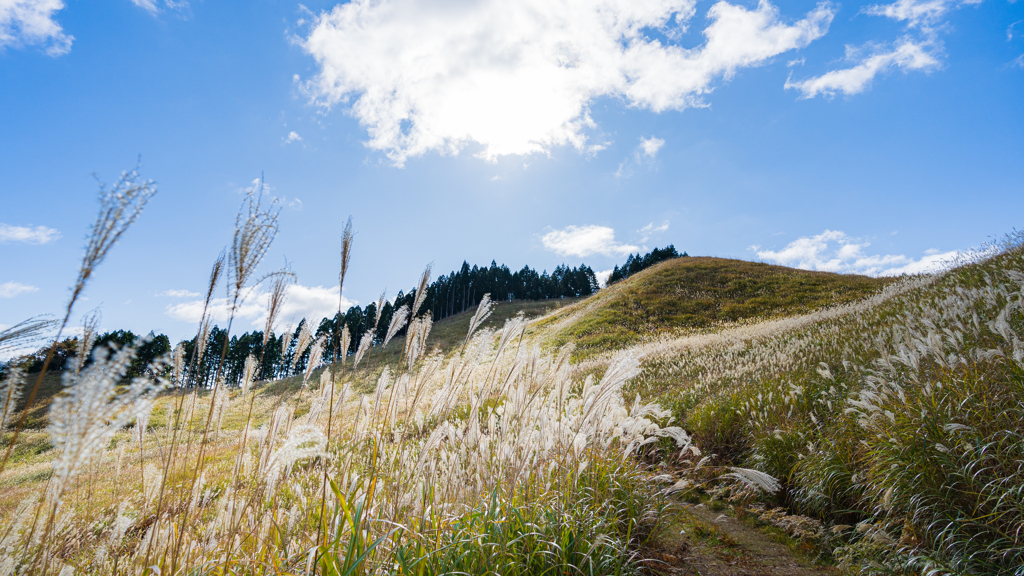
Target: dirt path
<point>709,543</point>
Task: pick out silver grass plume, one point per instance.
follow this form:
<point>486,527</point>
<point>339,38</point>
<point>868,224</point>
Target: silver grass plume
<point>278,294</point>
<point>346,255</point>
<point>380,308</point>
<point>421,291</point>
<point>302,443</point>
<point>305,339</point>
<point>420,329</point>
<point>421,294</point>
<point>316,353</point>
<point>755,479</point>
<point>286,339</point>
<point>10,393</point>
<point>346,340</point>
<point>204,338</point>
<point>364,345</point>
<point>93,408</point>
<point>25,333</point>
<point>398,320</point>
<point>178,363</point>
<point>482,312</point>
<point>255,230</point>
<point>249,373</point>
<point>215,273</point>
<point>219,404</point>
<point>119,207</point>
<point>90,329</point>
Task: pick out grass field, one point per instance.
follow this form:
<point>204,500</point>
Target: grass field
<point>696,293</point>
<point>875,421</point>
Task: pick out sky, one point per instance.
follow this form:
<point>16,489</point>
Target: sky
<point>850,137</point>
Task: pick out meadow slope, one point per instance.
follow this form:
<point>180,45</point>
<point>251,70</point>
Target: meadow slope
<point>877,423</point>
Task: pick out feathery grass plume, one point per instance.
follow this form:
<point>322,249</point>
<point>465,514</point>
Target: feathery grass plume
<point>278,294</point>
<point>25,333</point>
<point>302,443</point>
<point>482,312</point>
<point>202,340</point>
<point>364,345</point>
<point>346,256</point>
<point>754,479</point>
<point>93,408</point>
<point>178,364</point>
<point>316,352</point>
<point>303,342</point>
<point>10,392</point>
<point>249,373</point>
<point>255,230</point>
<point>346,341</point>
<point>380,308</point>
<point>119,207</point>
<point>417,344</point>
<point>286,339</point>
<point>220,401</point>
<point>398,320</point>
<point>421,291</point>
<point>90,329</point>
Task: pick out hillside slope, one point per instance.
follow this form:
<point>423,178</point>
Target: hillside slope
<point>695,293</point>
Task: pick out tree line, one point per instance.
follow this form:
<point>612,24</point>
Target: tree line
<point>449,294</point>
<point>637,263</point>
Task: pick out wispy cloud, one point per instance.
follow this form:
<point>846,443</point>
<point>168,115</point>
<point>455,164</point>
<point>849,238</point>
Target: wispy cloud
<point>28,235</point>
<point>293,136</point>
<point>154,7</point>
<point>582,241</point>
<point>909,55</point>
<point>834,251</point>
<point>646,231</point>
<point>919,48</point>
<point>12,289</point>
<point>519,77</point>
<point>31,23</point>
<point>179,294</point>
<point>310,302</point>
<point>644,154</point>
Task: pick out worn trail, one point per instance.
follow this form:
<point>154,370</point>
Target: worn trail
<point>731,549</point>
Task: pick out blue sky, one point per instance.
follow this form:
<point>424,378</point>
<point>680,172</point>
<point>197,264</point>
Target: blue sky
<point>873,138</point>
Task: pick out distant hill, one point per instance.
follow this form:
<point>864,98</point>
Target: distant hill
<point>694,293</point>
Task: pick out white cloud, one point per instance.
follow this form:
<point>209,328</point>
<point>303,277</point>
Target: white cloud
<point>919,49</point>
<point>650,146</point>
<point>602,277</point>
<point>153,6</point>
<point>37,235</point>
<point>519,77</point>
<point>644,154</point>
<point>310,302</point>
<point>925,15</point>
<point>12,289</point>
<point>909,55</point>
<point>652,229</point>
<point>31,23</point>
<point>179,294</point>
<point>583,241</point>
<point>834,251</point>
<point>293,136</point>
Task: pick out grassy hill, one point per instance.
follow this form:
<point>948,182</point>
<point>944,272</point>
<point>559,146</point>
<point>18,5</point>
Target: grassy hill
<point>695,293</point>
